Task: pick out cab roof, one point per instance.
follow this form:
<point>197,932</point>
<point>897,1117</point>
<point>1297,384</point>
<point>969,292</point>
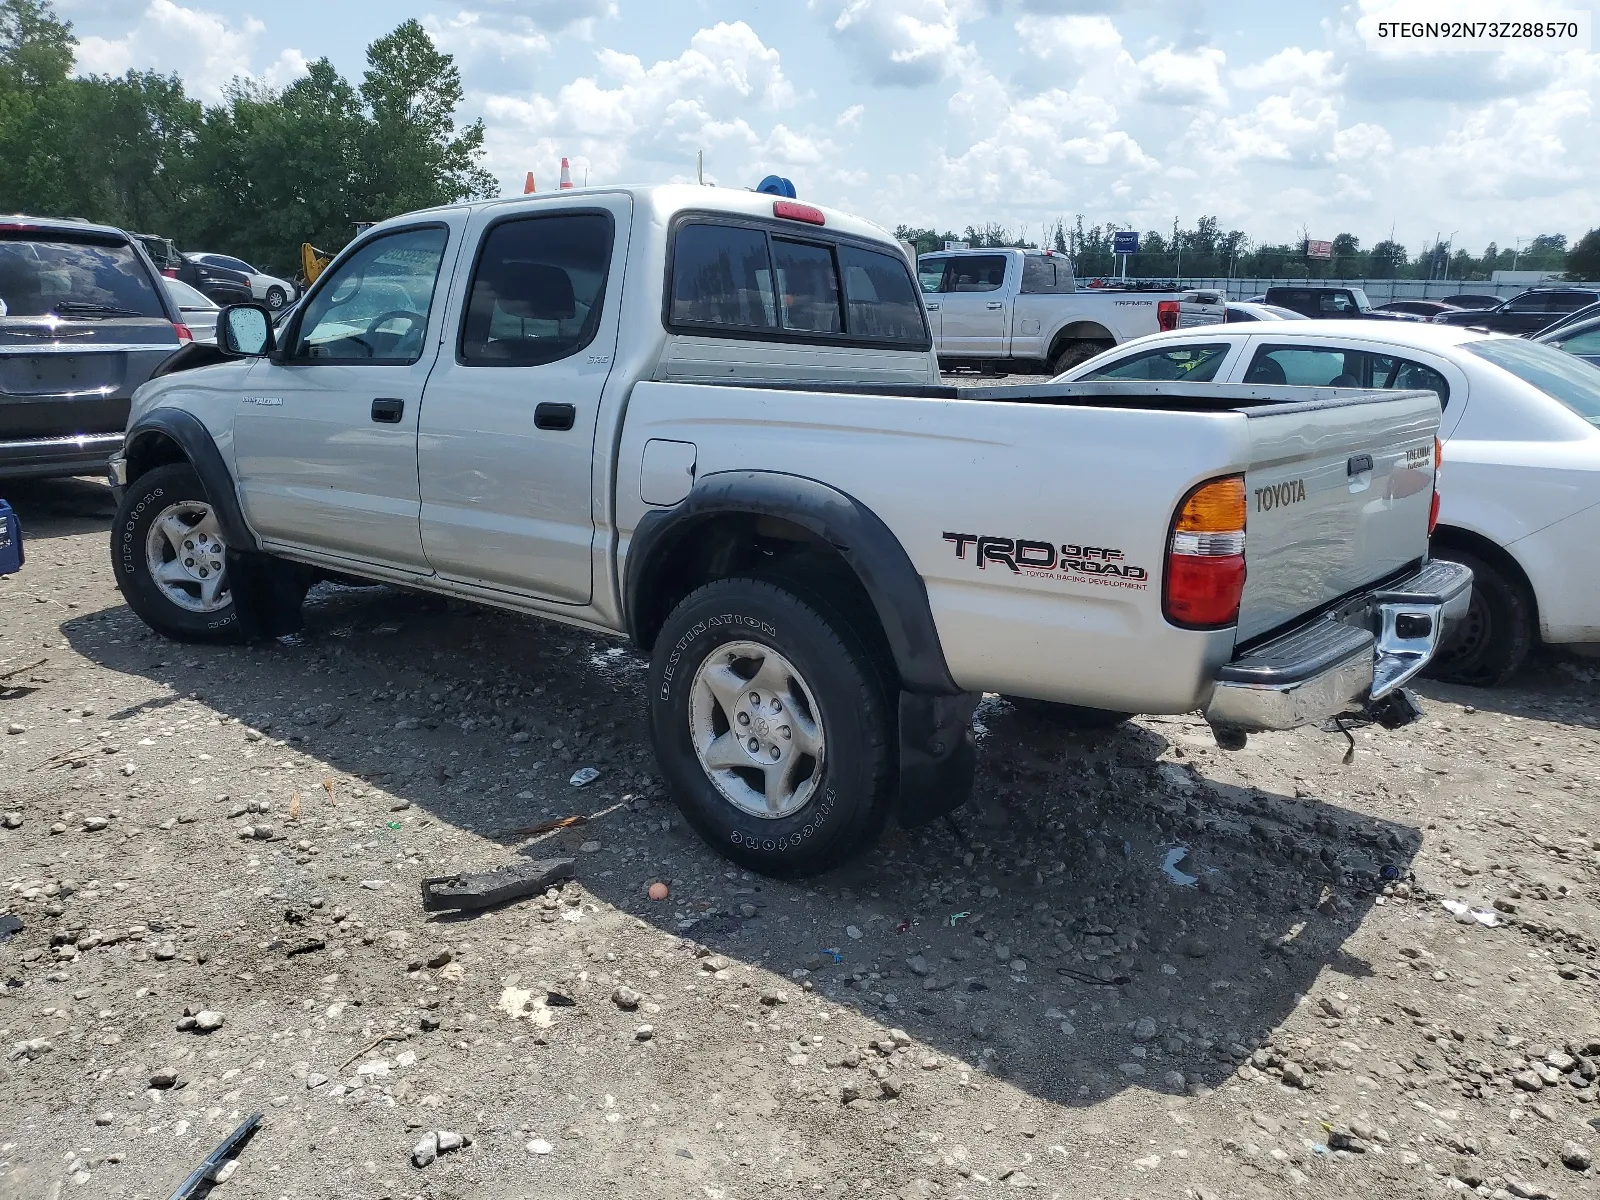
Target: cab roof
<point>667,200</point>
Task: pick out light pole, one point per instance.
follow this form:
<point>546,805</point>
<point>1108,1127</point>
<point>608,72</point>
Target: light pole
<point>1448,245</point>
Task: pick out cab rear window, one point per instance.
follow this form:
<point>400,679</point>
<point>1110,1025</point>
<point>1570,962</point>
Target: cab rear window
<point>746,280</point>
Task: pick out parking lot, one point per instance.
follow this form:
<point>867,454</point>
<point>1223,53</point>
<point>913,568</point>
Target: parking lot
<point>1133,966</point>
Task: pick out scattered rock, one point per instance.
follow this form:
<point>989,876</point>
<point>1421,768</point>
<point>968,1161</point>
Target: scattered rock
<point>437,1142</point>
<point>644,1033</point>
<point>165,1078</point>
<point>626,998</point>
<point>1144,1029</point>
<point>1575,1156</point>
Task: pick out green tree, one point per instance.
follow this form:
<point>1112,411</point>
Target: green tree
<point>1583,260</point>
<point>36,54</point>
<point>1387,260</point>
<point>414,155</point>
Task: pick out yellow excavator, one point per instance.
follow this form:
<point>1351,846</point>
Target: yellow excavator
<point>313,262</point>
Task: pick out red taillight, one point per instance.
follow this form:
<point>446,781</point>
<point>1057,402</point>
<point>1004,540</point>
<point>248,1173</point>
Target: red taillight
<point>790,211</point>
<point>170,272</point>
<point>1205,557</point>
<point>184,335</point>
<point>1166,315</point>
<point>1438,465</point>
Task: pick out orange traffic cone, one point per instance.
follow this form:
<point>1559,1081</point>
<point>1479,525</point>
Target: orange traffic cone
<point>528,189</point>
<point>566,174</point>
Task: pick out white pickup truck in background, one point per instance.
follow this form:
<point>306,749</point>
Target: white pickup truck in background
<point>710,421</point>
<point>1022,312</point>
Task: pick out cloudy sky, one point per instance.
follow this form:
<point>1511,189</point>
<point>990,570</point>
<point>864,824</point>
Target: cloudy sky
<point>1274,116</point>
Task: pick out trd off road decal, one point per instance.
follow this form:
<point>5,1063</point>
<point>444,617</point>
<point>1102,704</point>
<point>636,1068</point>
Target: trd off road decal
<point>1098,565</point>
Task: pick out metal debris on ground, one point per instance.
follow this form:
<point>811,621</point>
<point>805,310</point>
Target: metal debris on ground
<point>487,888</point>
<point>528,831</point>
<point>213,1161</point>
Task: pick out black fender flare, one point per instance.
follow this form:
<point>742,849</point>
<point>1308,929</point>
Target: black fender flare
<point>870,548</point>
<point>936,751</point>
<point>198,446</point>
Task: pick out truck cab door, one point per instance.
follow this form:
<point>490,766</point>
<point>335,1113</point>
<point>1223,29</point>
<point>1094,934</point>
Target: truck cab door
<point>506,446</point>
<point>975,303</point>
<point>325,435</point>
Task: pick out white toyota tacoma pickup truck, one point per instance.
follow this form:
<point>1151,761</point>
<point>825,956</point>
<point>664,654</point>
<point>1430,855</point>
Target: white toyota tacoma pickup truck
<point>1022,311</point>
<point>710,421</point>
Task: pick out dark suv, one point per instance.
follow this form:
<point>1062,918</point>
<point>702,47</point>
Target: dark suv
<point>84,319</point>
<point>1329,303</point>
<point>1528,313</point>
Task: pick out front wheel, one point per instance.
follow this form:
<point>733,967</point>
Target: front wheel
<point>170,560</point>
<point>771,727</point>
<point>276,298</point>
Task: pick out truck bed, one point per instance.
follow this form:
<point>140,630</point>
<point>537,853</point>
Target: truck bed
<point>1097,483</point>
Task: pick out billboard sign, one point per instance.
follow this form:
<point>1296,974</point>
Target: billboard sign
<point>1316,249</point>
<point>1125,242</point>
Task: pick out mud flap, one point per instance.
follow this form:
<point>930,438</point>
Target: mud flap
<point>268,593</point>
<point>938,756</point>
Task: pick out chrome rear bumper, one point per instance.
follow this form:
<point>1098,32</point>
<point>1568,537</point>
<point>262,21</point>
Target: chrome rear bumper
<point>1346,659</point>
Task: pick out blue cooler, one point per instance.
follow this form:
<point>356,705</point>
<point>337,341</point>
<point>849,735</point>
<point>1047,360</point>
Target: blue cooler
<point>10,540</point>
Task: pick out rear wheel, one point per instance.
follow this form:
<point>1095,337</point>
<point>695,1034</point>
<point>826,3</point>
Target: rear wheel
<point>1074,353</point>
<point>1499,631</point>
<point>170,560</point>
<point>1067,716</point>
<point>771,727</point>
<point>276,298</point>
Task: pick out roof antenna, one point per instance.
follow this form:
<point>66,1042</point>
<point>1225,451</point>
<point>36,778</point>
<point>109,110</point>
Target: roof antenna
<point>700,167</point>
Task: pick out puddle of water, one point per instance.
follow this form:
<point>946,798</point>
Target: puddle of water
<point>1169,867</point>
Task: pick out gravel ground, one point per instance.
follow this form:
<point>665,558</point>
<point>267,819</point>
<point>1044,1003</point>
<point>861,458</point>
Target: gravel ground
<point>1136,966</point>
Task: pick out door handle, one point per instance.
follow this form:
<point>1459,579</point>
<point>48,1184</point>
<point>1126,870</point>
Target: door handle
<point>388,410</point>
<point>994,304</point>
<point>554,416</point>
<point>933,308</point>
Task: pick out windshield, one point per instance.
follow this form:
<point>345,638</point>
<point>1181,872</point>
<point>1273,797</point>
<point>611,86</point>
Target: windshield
<point>1562,377</point>
<point>40,275</point>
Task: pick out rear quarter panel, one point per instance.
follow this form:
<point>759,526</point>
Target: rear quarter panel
<point>1094,488</point>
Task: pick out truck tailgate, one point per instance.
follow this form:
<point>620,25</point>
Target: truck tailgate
<point>1337,497</point>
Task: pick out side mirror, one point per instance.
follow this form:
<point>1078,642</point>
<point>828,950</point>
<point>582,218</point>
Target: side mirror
<point>245,331</point>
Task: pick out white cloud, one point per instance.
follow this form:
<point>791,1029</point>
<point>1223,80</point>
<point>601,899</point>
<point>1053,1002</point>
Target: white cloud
<point>631,120</point>
<point>1172,77</point>
<point>850,118</point>
<point>1291,67</point>
<point>200,46</point>
<point>904,43</point>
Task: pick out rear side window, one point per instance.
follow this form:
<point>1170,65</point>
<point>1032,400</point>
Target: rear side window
<point>741,280</point>
<point>69,276</point>
<point>1046,274</point>
<point>1330,366</point>
<point>537,291</point>
<point>1170,364</point>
